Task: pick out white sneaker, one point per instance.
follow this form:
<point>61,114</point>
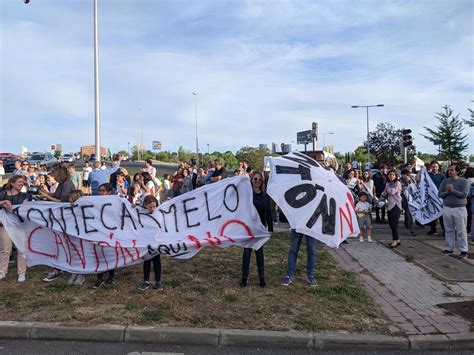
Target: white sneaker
<point>361,239</point>
<point>369,239</point>
<point>3,276</point>
<point>72,279</point>
<point>80,279</point>
<point>21,277</point>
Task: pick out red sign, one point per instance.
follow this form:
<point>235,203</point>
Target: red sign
<point>53,147</point>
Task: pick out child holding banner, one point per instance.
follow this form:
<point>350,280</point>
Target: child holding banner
<point>261,201</point>
<point>151,203</point>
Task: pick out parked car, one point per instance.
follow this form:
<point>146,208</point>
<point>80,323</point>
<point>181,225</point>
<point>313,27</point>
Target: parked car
<point>9,163</point>
<point>45,158</point>
<point>68,158</point>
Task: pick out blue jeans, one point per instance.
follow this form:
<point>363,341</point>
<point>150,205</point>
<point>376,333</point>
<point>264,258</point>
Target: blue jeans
<point>293,254</point>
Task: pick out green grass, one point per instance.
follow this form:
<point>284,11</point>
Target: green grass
<point>59,286</point>
<point>11,300</point>
<point>156,313</point>
<point>231,298</point>
<point>132,305</point>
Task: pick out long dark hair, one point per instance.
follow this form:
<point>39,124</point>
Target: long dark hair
<point>146,177</point>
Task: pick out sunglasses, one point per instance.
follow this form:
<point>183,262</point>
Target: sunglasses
<point>256,179</point>
<point>25,164</point>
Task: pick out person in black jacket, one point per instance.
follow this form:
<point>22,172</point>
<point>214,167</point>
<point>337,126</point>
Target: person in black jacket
<point>380,178</point>
<point>261,201</point>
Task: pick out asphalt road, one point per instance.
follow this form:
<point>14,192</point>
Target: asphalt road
<point>26,347</point>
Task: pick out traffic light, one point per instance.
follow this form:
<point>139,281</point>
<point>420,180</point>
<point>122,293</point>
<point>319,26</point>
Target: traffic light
<point>407,138</point>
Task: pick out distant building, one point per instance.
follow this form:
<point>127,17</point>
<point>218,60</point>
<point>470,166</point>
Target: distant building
<point>90,149</point>
<point>263,146</point>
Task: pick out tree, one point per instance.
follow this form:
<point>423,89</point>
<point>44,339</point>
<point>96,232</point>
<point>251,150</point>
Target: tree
<point>470,121</point>
<point>385,144</point>
<point>360,154</point>
<point>253,156</point>
<point>184,154</point>
<point>448,135</point>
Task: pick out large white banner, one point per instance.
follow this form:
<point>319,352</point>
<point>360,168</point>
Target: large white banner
<point>99,233</point>
<point>423,200</point>
<point>312,197</point>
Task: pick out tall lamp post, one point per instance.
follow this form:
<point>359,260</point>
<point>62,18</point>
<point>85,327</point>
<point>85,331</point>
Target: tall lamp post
<point>207,148</point>
<point>196,114</point>
<point>367,107</point>
<point>324,137</point>
<point>96,85</point>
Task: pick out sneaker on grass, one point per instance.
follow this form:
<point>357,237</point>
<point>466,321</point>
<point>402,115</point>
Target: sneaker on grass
<point>287,281</point>
<point>3,276</point>
<point>311,282</point>
<point>21,277</point>
<point>463,255</point>
<point>447,252</point>
<point>80,279</point>
<point>158,286</point>
<point>53,275</point>
<point>98,283</point>
<point>72,279</point>
<point>144,286</point>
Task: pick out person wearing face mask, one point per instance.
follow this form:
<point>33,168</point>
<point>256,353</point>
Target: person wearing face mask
<point>454,191</point>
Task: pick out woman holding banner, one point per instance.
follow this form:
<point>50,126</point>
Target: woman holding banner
<point>11,196</point>
<point>261,201</point>
<point>393,194</point>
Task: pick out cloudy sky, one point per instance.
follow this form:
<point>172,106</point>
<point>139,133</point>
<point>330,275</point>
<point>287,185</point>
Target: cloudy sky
<point>262,70</point>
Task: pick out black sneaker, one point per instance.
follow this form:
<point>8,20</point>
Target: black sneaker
<point>463,255</point>
<point>98,283</point>
<point>447,252</point>
<point>243,282</point>
<point>53,275</point>
<point>144,286</point>
<point>432,233</point>
<point>158,286</point>
<point>110,282</point>
<point>261,282</point>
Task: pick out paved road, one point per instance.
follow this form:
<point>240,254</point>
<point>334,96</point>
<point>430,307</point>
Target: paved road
<point>26,347</point>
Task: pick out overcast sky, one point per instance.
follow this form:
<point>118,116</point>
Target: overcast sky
<point>262,70</point>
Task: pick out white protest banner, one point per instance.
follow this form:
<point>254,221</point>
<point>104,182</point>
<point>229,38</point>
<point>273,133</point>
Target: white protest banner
<point>99,233</point>
<point>312,198</point>
<point>423,200</point>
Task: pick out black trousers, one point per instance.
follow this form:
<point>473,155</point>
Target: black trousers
<point>393,218</point>
<point>246,262</point>
<point>156,268</point>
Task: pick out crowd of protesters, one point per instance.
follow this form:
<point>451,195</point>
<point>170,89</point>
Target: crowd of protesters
<point>384,191</point>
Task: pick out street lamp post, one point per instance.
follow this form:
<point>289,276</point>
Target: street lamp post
<point>96,85</point>
<point>207,148</point>
<point>128,149</point>
<point>324,137</point>
<point>196,114</point>
<point>367,107</point>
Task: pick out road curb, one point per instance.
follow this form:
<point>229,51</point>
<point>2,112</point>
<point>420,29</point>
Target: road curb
<point>233,337</point>
<point>266,338</point>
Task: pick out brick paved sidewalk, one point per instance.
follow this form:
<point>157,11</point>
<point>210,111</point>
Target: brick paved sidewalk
<point>407,293</point>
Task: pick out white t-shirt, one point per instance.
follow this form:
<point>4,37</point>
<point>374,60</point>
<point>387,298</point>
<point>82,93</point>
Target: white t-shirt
<point>85,173</point>
<point>362,206</point>
<point>144,193</point>
<point>355,164</point>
